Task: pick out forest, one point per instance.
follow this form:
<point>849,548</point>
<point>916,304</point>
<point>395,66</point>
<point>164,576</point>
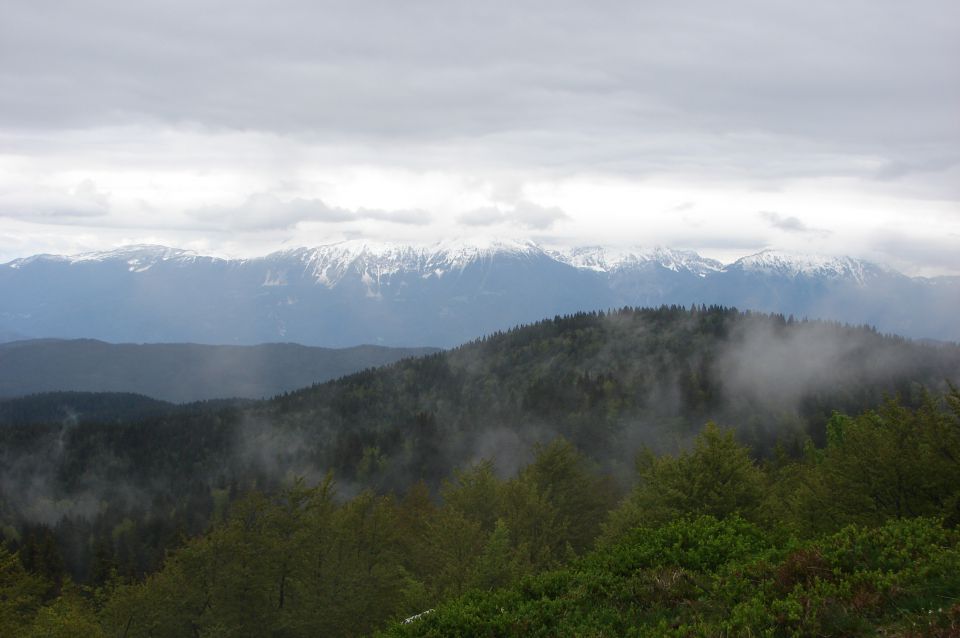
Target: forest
<point>672,471</point>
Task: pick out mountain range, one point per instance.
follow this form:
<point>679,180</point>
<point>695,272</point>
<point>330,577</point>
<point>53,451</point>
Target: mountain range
<point>356,292</point>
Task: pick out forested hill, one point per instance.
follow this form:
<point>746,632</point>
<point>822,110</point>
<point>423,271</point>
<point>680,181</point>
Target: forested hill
<point>610,383</point>
<point>74,407</point>
<point>100,408</point>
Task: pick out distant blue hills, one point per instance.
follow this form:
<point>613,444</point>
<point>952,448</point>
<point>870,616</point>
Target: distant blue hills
<point>177,372</point>
<point>358,292</point>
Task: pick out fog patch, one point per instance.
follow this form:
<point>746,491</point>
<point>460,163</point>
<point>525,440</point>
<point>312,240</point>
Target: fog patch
<point>777,366</point>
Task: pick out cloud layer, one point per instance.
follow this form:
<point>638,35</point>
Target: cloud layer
<point>379,118</point>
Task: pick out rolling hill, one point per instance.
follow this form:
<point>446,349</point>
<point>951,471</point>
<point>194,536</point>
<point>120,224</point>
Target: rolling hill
<point>181,372</point>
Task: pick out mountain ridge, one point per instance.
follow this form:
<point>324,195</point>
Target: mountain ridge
<point>344,293</point>
<point>180,372</point>
<point>462,252</point>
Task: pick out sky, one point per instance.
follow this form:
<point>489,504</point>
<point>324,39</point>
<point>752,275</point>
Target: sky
<point>238,128</point>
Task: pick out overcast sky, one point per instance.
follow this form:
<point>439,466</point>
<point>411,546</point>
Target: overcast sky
<point>239,127</point>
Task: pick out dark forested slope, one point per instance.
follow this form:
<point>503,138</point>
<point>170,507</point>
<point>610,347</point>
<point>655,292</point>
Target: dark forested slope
<point>75,407</point>
<point>608,382</point>
<point>857,537</point>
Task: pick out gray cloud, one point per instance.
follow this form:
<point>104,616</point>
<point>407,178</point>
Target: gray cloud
<point>486,216</point>
<point>895,169</point>
<point>47,205</point>
<point>790,224</point>
<point>524,214</point>
<point>682,207</point>
<point>769,89</point>
<point>747,96</point>
<point>531,215</point>
<point>408,217</point>
<point>263,211</point>
<point>911,252</point>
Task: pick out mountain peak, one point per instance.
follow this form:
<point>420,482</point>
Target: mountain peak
<point>135,251</point>
<point>138,257</point>
<point>329,263</point>
<point>778,262</point>
<point>608,260</point>
<point>443,293</point>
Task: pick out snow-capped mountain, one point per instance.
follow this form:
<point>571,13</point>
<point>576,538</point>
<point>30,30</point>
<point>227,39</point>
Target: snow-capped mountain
<point>782,264</point>
<point>374,261</point>
<point>138,257</point>
<point>609,260</point>
<point>356,291</point>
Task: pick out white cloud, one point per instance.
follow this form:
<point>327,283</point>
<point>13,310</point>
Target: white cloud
<point>244,126</point>
<point>49,205</point>
<point>261,211</point>
<point>407,217</point>
<point>523,214</point>
<point>265,210</point>
<point>789,223</point>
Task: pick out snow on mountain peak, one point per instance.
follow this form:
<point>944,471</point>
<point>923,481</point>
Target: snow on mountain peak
<point>782,263</point>
<point>134,251</point>
<point>139,257</point>
<point>457,253</point>
<point>373,261</point>
<point>607,260</point>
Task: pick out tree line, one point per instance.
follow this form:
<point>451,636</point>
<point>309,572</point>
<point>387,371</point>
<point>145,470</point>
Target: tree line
<point>852,536</point>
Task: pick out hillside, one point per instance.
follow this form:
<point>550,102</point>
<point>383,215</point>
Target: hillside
<point>611,383</point>
<point>704,577</point>
<point>181,372</point>
<point>546,427</point>
<point>706,542</point>
<point>77,407</point>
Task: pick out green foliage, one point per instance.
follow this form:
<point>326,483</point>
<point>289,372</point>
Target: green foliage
<point>454,542</point>
<point>703,559</point>
<point>848,533</point>
<point>555,505</point>
<point>632,588</point>
<point>660,572</point>
<point>717,477</point>
<point>269,569</point>
<point>710,577</point>
<point>476,493</point>
<point>851,582</point>
<point>893,462</point>
<point>29,609</point>
<point>69,616</point>
<point>604,381</point>
<point>498,564</point>
<point>21,593</point>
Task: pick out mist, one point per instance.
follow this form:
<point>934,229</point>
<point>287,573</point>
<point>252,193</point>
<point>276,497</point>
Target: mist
<point>612,383</point>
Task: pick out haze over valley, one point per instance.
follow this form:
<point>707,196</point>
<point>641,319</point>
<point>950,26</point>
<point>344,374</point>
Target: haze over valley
<point>180,372</point>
